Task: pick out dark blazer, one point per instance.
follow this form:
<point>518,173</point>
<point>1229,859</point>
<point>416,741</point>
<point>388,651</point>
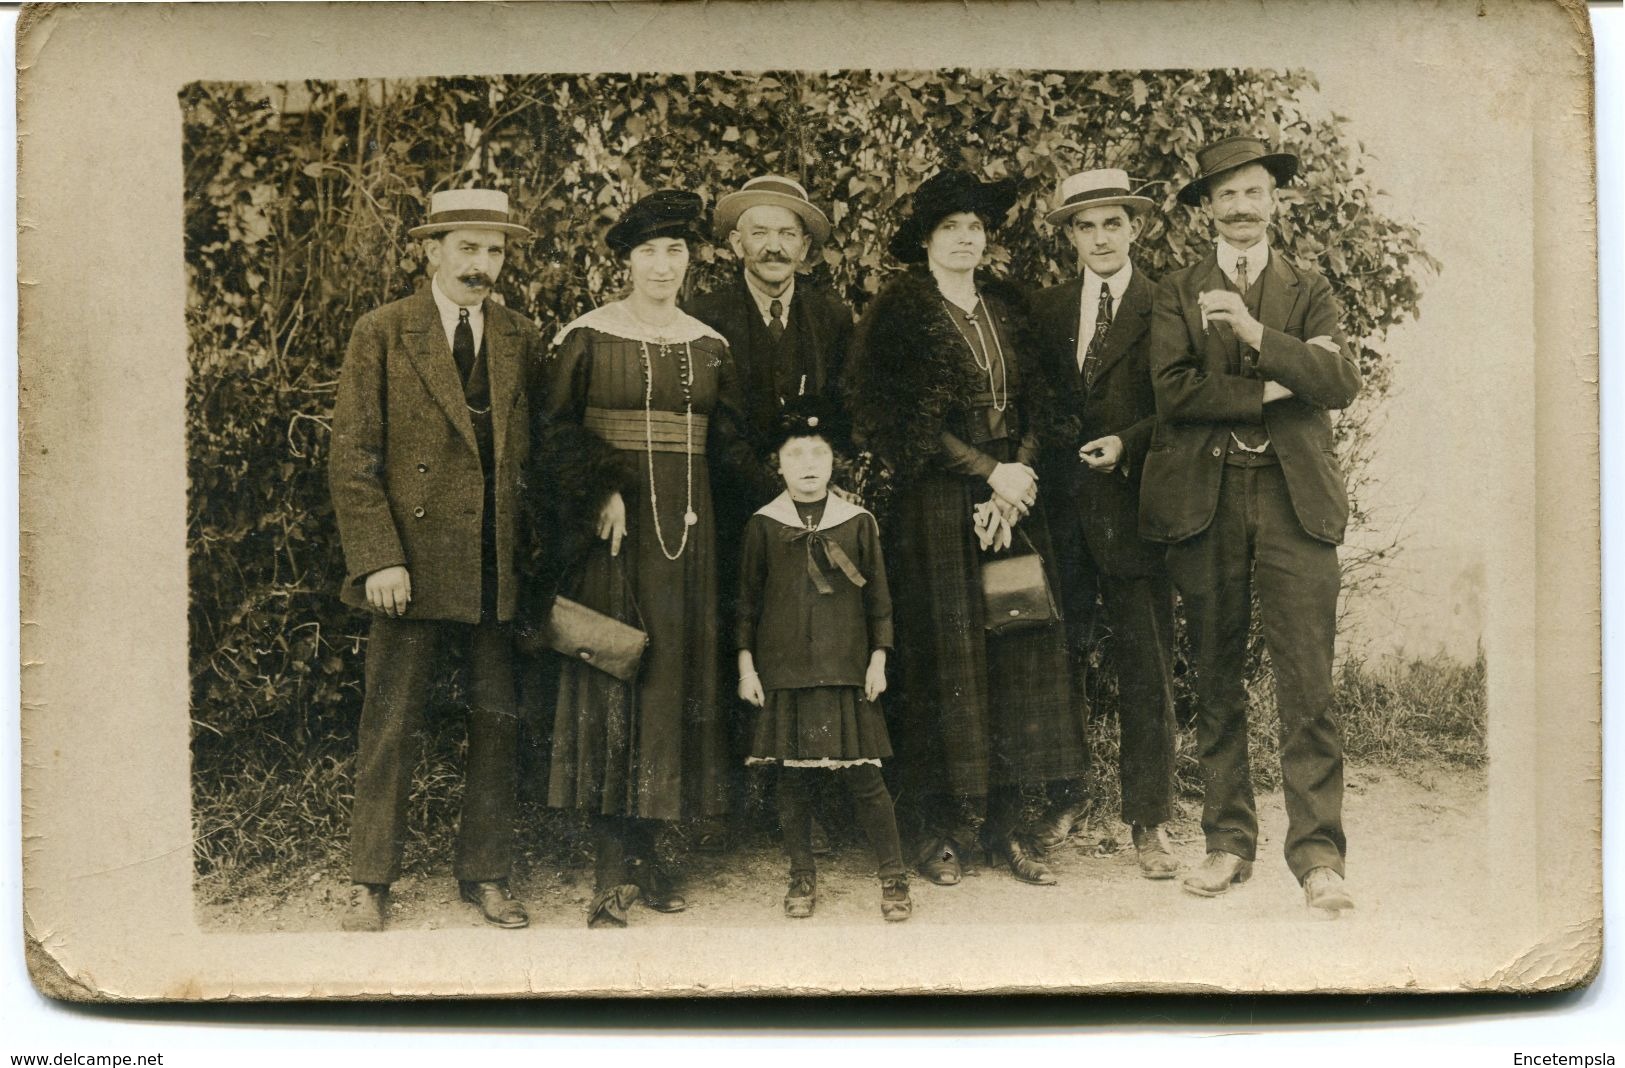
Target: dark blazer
<point>405,469</point>
<point>1120,402</point>
<point>1198,399</point>
<point>823,325</point>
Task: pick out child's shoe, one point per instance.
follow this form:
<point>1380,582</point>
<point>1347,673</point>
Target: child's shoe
<point>895,905</point>
<point>801,896</point>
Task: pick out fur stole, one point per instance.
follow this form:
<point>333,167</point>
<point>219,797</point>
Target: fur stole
<point>908,372</point>
<point>572,473</point>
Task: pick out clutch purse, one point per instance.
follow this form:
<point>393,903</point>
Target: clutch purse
<point>1016,593</point>
<point>597,640</point>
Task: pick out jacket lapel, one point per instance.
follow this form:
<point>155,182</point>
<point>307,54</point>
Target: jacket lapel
<point>426,342</point>
<point>1280,296</point>
<point>1133,318</point>
<point>502,360</point>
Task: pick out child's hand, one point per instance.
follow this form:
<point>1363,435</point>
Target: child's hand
<point>750,690</point>
<point>874,681</point>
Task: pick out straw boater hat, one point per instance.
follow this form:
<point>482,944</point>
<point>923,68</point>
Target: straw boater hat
<point>468,209</point>
<point>1223,156</point>
<point>944,194</point>
<point>1095,189</point>
<point>776,191</point>
<point>663,213</point>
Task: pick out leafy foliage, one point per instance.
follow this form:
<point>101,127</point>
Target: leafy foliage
<point>298,198</point>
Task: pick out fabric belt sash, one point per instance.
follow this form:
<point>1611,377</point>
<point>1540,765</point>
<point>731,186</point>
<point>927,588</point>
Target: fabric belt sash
<point>662,432</point>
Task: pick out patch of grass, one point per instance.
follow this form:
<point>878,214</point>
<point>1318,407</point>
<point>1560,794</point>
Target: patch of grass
<point>1405,712</point>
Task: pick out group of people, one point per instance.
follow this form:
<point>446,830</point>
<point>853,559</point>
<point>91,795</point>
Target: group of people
<point>678,470</point>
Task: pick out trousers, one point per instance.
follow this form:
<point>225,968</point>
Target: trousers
<point>402,657</point>
<point>1256,544</point>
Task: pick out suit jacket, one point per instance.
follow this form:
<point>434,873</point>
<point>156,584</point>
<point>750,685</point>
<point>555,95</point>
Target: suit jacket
<point>1198,399</point>
<point>823,327</point>
<point>405,469</point>
<point>1105,506</point>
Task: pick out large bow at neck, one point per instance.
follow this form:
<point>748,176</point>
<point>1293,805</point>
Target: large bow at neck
<point>835,558</point>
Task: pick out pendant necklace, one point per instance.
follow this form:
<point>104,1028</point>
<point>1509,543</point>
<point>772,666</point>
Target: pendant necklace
<point>985,364</point>
<point>690,517</point>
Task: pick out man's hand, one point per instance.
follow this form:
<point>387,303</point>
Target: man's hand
<point>1102,454</point>
<point>1016,483</point>
<point>1226,306</point>
<point>1274,391</point>
<point>389,590</point>
<point>612,523</point>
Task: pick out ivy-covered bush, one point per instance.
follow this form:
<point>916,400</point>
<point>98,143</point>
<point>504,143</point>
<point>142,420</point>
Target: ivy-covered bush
<point>298,199</point>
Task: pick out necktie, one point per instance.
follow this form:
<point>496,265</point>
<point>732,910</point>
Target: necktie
<point>775,325</point>
<point>462,345</point>
<point>1097,343</point>
<point>1242,282</point>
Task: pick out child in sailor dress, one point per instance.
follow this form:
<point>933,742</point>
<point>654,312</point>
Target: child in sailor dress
<point>813,629</point>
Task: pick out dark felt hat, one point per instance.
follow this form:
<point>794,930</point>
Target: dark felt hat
<point>664,213</point>
<point>947,193</point>
<point>1223,156</point>
<point>808,416</point>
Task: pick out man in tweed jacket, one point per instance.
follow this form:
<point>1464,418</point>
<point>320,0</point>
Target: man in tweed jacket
<point>430,432</point>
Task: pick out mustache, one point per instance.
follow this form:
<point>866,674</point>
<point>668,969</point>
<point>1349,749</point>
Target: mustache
<point>1246,216</point>
<point>474,279</point>
<point>773,257</point>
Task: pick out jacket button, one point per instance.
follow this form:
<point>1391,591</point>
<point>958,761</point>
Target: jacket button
<point>418,511</point>
<point>1216,450</point>
<point>423,469</point>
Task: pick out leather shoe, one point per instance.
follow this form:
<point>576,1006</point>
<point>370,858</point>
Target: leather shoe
<point>495,902</point>
<point>895,905</point>
<point>1157,861</point>
<point>1323,889</point>
<point>801,896</point>
<point>1057,827</point>
<point>941,863</point>
<point>1024,864</point>
<point>609,907</point>
<point>1217,874</point>
<point>654,883</point>
<point>367,908</point>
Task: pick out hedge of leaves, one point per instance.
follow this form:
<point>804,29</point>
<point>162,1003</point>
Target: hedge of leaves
<point>299,195</point>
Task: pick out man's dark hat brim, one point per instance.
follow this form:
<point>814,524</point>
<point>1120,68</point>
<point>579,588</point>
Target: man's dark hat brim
<point>947,193</point>
<point>1222,157</point>
<point>665,213</point>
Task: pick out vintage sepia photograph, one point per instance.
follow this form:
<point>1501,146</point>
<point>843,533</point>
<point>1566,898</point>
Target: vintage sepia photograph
<point>978,444</point>
<point>740,520</point>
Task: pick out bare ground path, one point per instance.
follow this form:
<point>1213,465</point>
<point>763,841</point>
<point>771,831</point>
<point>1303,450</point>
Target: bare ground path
<point>1417,844</point>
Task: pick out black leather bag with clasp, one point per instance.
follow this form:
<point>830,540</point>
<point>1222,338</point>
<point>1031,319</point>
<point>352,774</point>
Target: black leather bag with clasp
<point>1016,593</point>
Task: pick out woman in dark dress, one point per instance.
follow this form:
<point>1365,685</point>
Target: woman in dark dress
<point>942,390</point>
<point>635,405</point>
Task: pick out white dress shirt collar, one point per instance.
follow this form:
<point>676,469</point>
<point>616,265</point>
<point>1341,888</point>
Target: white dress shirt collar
<point>448,309</point>
<point>1089,305</point>
<point>1258,257</point>
<point>764,301</point>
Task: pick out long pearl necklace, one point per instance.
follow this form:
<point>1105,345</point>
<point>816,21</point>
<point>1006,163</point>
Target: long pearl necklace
<point>690,517</point>
<point>985,365</point>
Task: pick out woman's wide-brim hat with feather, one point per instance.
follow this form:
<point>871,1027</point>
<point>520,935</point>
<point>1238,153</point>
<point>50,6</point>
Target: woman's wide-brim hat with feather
<point>663,213</point>
<point>948,193</point>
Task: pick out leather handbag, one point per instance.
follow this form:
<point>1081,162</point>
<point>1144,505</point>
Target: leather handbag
<point>1016,593</point>
<point>598,640</point>
<point>595,639</point>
